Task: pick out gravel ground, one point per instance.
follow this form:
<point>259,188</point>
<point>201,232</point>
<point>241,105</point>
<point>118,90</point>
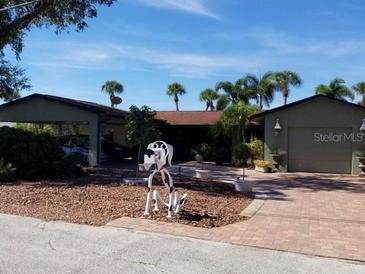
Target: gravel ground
<point>100,198</point>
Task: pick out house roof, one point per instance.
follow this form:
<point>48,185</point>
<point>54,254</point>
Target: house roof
<point>305,100</point>
<point>87,106</point>
<point>189,117</point>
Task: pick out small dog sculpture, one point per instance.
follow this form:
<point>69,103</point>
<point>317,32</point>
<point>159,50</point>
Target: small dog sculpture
<point>158,155</point>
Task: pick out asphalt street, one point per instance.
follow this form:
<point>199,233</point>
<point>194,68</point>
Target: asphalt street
<point>30,245</point>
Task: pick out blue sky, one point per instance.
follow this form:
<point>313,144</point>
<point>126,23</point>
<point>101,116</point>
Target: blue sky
<point>147,44</point>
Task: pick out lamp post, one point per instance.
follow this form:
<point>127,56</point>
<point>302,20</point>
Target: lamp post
<point>362,127</point>
<point>277,127</point>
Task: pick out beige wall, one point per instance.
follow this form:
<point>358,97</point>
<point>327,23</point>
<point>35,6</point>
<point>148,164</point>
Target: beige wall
<point>319,112</point>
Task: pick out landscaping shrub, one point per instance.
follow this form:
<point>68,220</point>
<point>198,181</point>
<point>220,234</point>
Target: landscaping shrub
<point>35,156</point>
<point>222,155</point>
<point>256,149</point>
<point>241,153</point>
<point>6,171</point>
<point>204,150</point>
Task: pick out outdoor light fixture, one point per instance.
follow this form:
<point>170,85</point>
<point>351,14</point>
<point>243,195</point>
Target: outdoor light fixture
<point>362,128</point>
<point>277,127</point>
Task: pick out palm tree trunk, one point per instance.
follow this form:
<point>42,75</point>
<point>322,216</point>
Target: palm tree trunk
<point>260,101</point>
<point>285,94</point>
<point>176,99</point>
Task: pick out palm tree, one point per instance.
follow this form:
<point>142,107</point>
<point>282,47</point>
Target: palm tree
<point>113,87</point>
<point>174,90</point>
<point>237,91</point>
<point>209,96</point>
<point>359,88</point>
<point>263,86</point>
<point>336,89</point>
<point>285,79</point>
<point>223,102</point>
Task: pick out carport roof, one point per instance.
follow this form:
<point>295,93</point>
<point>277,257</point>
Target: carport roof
<point>263,113</point>
<point>87,106</point>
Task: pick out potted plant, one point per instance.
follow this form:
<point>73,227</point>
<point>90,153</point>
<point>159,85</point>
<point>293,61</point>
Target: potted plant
<point>262,166</point>
<point>202,152</point>
<point>361,157</point>
<point>241,154</point>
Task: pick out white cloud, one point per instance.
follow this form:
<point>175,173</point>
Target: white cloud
<point>198,7</point>
<point>330,47</point>
<point>119,56</point>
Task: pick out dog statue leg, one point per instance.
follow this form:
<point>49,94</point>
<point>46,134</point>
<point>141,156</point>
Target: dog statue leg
<point>155,200</point>
<point>149,189</point>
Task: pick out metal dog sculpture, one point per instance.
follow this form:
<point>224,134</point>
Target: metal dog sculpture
<point>158,155</point>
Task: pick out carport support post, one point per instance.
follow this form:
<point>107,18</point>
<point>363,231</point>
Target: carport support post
<point>94,143</point>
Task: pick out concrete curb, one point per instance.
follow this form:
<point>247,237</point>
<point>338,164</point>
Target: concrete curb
<point>255,205</point>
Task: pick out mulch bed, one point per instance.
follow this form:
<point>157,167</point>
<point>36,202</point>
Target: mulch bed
<point>100,198</point>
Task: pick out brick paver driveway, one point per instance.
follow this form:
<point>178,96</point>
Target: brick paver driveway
<point>314,214</point>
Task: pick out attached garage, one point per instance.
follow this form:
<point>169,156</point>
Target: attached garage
<point>317,134</point>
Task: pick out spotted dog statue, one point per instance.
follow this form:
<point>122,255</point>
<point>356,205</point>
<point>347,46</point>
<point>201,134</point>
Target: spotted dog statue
<point>158,155</point>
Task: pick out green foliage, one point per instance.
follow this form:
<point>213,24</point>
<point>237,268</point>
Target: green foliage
<point>256,148</point>
<point>359,88</point>
<point>35,156</point>
<point>236,92</point>
<point>222,102</point>
<point>241,153</point>
<point>6,171</point>
<point>264,87</point>
<point>141,127</point>
<point>61,15</point>
<point>222,155</point>
<point>336,89</point>
<point>204,150</point>
<point>112,87</point>
<point>35,128</point>
<point>175,90</point>
<point>237,114</point>
<point>284,80</point>
<point>209,96</point>
<point>12,81</point>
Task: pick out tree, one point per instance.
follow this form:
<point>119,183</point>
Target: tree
<point>236,91</point>
<point>284,80</point>
<point>12,81</point>
<point>336,89</point>
<point>141,128</point>
<point>209,96</point>
<point>223,102</point>
<point>359,88</point>
<point>16,22</point>
<point>113,87</point>
<point>175,90</point>
<point>236,117</point>
<point>264,87</point>
<point>61,14</point>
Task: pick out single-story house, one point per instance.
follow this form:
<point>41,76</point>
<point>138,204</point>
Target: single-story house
<point>41,108</point>
<point>184,130</point>
<point>316,134</point>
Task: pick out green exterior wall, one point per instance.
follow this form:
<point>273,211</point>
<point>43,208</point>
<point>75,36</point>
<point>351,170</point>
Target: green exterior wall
<point>320,112</point>
<point>38,110</point>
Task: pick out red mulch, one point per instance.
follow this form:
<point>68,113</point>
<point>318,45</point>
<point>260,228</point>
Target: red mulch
<point>100,198</point>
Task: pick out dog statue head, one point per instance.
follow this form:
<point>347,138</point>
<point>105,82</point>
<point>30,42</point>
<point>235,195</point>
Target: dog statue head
<point>158,153</point>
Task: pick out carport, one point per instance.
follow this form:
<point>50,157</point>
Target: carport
<point>42,108</point>
<point>316,134</point>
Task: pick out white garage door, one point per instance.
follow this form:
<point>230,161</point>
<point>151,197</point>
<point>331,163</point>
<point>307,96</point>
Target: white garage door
<point>320,150</point>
